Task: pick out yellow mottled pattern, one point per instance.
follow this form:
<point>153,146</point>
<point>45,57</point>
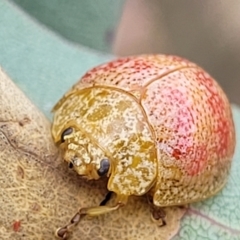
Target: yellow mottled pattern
<point>113,121</point>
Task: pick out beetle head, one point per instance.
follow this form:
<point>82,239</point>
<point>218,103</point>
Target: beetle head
<point>83,154</point>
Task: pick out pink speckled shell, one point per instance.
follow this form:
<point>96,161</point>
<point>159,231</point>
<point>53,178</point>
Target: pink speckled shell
<point>191,118</point>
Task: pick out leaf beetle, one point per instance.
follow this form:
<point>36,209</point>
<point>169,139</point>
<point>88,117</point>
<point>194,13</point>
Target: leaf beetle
<point>153,124</point>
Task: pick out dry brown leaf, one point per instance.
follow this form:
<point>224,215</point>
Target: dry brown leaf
<point>40,194</point>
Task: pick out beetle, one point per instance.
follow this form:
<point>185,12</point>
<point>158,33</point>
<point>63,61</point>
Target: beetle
<point>153,124</point>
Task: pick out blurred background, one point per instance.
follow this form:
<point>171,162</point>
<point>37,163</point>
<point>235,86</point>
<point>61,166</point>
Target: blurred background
<point>205,32</point>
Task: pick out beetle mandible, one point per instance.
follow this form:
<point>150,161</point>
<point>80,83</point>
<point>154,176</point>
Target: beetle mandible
<point>153,124</point>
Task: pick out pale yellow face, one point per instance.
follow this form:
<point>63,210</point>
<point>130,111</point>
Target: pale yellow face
<point>83,154</point>
<point>109,135</point>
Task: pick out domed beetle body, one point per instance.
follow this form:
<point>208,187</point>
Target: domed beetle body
<point>153,124</point>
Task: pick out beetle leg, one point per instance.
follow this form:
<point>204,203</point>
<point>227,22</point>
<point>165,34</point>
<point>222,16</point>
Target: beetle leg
<point>106,199</point>
<point>158,216</point>
<point>158,213</point>
<point>63,232</point>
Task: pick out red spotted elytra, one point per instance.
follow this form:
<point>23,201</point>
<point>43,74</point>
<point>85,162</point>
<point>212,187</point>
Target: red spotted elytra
<point>153,124</point>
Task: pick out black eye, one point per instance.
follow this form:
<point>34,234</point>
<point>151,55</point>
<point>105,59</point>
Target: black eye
<point>65,133</point>
<point>104,167</point>
<point>70,165</point>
